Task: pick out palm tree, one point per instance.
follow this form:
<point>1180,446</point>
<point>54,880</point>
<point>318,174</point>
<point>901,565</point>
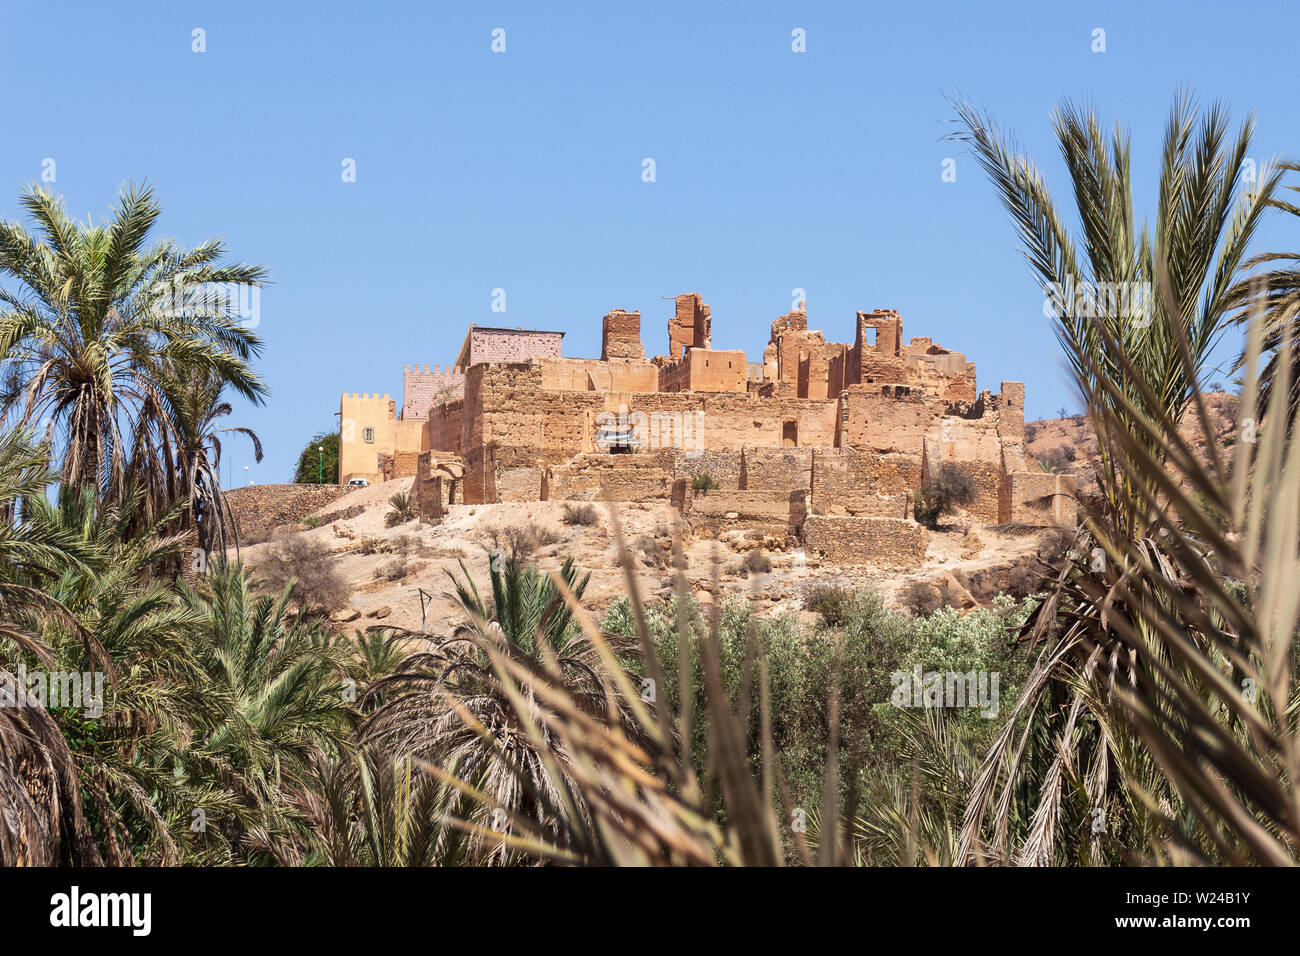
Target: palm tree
<point>42,815</point>
<point>1212,618</point>
<point>447,706</point>
<point>290,699</point>
<point>157,697</point>
<point>368,810</point>
<point>1139,309</point>
<point>1275,292</point>
<point>195,407</point>
<point>97,320</point>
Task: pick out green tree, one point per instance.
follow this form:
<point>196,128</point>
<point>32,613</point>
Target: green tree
<point>319,462</point>
<point>448,705</point>
<point>98,320</point>
<point>197,408</point>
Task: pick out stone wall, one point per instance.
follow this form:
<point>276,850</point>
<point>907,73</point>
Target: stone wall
<point>641,477</point>
<point>1041,498</point>
<point>891,543</point>
<point>866,483</point>
<point>723,466</point>
<point>771,512</point>
<point>260,509</point>
<point>776,469</point>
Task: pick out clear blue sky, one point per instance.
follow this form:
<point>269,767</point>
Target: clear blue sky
<point>522,170</point>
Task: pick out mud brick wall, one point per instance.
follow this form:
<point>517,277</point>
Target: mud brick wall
<point>776,469</point>
<point>513,423</point>
<point>260,509</point>
<point>640,477</point>
<point>690,325</point>
<point>771,512</point>
<point>620,336</point>
<point>855,480</point>
<point>401,464</point>
<point>890,543</point>
<point>738,420</point>
<point>976,450</point>
<point>723,466</point>
<point>1010,407</point>
<point>443,431</point>
<point>591,375</point>
<point>519,484</point>
<point>988,485</point>
<point>891,420</point>
<point>437,485</point>
<point>1041,498</point>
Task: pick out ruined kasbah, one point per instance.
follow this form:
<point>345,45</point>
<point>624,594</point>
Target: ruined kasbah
<point>825,443</point>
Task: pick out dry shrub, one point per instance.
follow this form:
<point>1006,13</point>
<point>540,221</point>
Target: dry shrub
<point>585,515</point>
<point>652,555</point>
<point>1058,459</point>
<point>393,570</point>
<point>948,487</point>
<point>321,587</point>
<point>756,562</point>
<point>522,541</point>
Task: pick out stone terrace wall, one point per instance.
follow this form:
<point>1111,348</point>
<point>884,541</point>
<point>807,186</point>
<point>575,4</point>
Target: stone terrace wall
<point>260,509</point>
<point>776,469</point>
<point>771,512</point>
<point>638,477</point>
<point>857,481</point>
<point>890,543</point>
<point>724,466</point>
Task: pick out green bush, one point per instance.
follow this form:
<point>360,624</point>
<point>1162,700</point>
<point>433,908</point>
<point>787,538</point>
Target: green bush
<point>318,464</point>
<point>830,602</point>
<point>704,482</point>
<point>876,643</point>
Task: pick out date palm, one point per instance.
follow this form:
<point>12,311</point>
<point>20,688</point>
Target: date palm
<point>1136,357</point>
<point>195,407</point>
<point>1274,293</point>
<point>42,814</point>
<point>93,319</point>
<point>447,707</point>
<point>289,696</point>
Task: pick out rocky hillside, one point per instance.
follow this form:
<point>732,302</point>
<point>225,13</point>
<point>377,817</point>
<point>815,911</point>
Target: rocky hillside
<point>1069,445</point>
<point>365,571</point>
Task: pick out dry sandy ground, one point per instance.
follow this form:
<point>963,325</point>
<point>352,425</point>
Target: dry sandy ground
<point>362,545</point>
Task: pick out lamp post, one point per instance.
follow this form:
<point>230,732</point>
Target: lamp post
<point>320,464</point>
<point>245,474</point>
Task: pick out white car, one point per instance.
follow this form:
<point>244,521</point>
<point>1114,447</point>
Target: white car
<point>359,483</point>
